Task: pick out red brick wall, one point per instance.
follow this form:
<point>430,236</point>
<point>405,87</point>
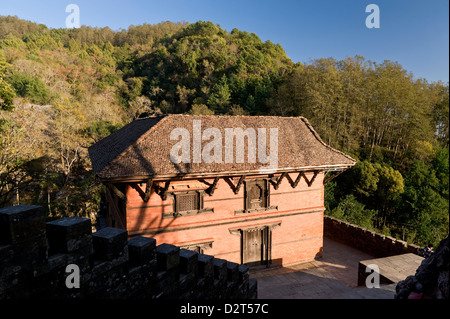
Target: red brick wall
<point>298,238</point>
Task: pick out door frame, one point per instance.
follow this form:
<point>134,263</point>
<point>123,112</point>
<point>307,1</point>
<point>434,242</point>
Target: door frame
<point>263,256</point>
<point>266,237</point>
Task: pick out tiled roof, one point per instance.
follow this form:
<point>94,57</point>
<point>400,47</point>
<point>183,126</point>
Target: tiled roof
<point>142,148</point>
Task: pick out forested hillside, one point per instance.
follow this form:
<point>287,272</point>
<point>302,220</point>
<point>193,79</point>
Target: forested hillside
<point>63,89</point>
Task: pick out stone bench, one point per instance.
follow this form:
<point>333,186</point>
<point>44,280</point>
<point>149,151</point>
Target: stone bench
<point>392,269</point>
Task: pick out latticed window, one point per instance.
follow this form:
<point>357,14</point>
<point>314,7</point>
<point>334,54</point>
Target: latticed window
<point>188,201</point>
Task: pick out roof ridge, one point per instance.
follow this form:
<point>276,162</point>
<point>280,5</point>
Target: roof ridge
<point>128,149</point>
<point>225,115</point>
<point>316,135</point>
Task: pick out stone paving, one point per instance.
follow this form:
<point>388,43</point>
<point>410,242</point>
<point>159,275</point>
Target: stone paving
<point>334,276</point>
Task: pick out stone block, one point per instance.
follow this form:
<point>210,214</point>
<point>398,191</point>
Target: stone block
<point>205,275</point>
<point>22,229</point>
<point>141,250</point>
<point>188,261</point>
<point>69,234</point>
<point>252,289</point>
<point>244,273</point>
<point>110,243</point>
<point>220,269</point>
<point>168,257</point>
<point>205,266</point>
<point>22,223</point>
<point>232,272</point>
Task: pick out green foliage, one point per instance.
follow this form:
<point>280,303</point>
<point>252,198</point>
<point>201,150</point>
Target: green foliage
<point>222,68</point>
<point>101,129</point>
<point>440,164</point>
<point>424,206</point>
<point>6,91</point>
<point>200,109</point>
<point>358,105</point>
<point>29,87</point>
<point>441,113</point>
<point>219,99</point>
<point>350,210</point>
<point>373,182</point>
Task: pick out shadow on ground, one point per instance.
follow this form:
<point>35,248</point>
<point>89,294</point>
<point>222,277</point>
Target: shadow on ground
<point>334,276</point>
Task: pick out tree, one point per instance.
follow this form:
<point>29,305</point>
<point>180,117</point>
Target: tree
<point>30,87</point>
<point>66,139</point>
<point>422,208</point>
<point>12,174</point>
<point>441,114</point>
<point>375,185</point>
<point>200,109</point>
<point>21,142</point>
<point>389,187</point>
<point>6,91</point>
<point>440,164</point>
<point>350,210</point>
<point>220,97</point>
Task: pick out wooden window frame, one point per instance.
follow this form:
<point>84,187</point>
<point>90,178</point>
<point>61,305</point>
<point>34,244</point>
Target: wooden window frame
<point>199,247</point>
<point>267,207</point>
<point>179,213</point>
<point>198,201</point>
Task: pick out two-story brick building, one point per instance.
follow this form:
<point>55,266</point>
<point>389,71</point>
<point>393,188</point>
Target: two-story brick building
<point>211,184</point>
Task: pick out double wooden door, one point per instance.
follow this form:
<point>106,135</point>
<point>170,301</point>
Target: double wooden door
<point>256,246</point>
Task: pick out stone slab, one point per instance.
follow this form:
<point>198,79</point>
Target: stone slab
<point>392,269</point>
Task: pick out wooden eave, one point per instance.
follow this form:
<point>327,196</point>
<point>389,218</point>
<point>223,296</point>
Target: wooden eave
<point>186,176</point>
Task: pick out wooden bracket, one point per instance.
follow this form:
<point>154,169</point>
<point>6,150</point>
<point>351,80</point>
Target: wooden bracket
<point>297,180</point>
<point>116,191</point>
<point>212,187</point>
<point>310,182</point>
<point>332,176</point>
<point>278,182</point>
<point>299,176</point>
<point>162,191</point>
<point>148,190</point>
<point>235,188</point>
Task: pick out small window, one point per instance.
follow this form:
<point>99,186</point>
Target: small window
<point>256,197</point>
<point>187,201</point>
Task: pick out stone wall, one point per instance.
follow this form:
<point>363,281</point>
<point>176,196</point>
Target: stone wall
<point>431,280</point>
<point>35,254</point>
<point>365,240</point>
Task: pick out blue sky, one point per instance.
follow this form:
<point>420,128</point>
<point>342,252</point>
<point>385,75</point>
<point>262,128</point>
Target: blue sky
<point>412,32</point>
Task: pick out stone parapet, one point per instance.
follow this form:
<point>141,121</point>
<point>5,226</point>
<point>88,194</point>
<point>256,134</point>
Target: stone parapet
<point>366,240</point>
<point>37,260</point>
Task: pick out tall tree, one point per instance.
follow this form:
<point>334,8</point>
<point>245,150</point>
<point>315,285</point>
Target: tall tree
<point>6,91</point>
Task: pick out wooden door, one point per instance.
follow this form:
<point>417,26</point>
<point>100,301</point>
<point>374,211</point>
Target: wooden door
<point>256,246</point>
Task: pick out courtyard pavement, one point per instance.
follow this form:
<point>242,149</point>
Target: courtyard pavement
<point>334,276</point>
